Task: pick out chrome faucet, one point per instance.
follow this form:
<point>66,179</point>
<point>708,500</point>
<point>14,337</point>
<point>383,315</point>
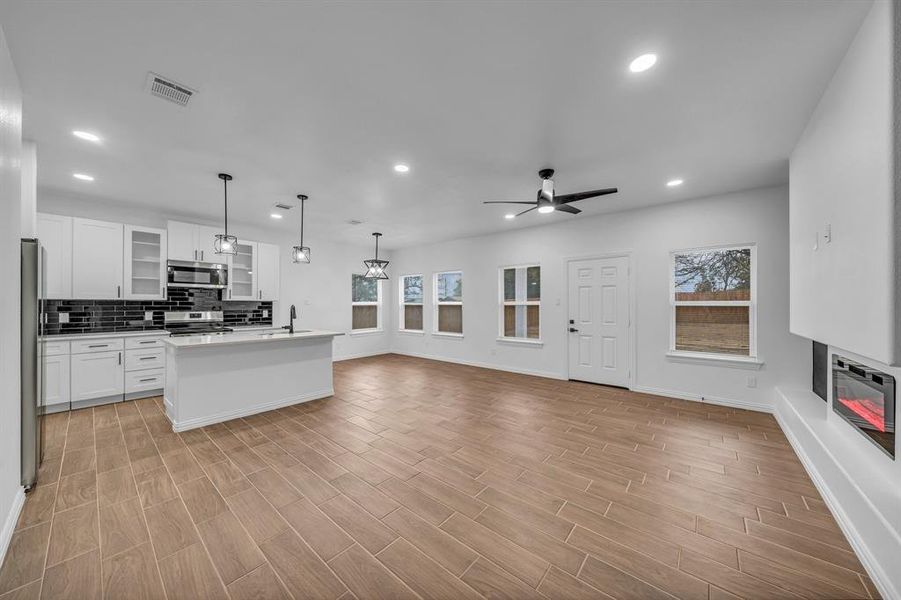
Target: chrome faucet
<point>292,316</point>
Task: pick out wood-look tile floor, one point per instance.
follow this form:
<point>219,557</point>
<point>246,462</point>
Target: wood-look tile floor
<point>433,480</point>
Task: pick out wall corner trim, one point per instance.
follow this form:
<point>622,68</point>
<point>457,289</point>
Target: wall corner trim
<point>9,525</point>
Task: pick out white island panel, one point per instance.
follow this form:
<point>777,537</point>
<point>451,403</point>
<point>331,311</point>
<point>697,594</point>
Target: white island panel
<point>211,379</point>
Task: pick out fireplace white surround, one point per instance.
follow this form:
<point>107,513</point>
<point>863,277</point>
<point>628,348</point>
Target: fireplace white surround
<point>860,484</point>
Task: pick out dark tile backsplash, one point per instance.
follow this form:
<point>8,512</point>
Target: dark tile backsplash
<point>100,316</point>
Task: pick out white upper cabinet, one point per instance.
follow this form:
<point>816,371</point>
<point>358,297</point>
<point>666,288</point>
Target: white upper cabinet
<point>96,259</point>
<point>192,243</point>
<point>145,263</point>
<point>267,271</point>
<point>206,236</point>
<point>182,241</point>
<point>242,272</point>
<point>55,235</point>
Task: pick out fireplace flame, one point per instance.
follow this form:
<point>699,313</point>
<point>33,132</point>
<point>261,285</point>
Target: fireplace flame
<point>871,411</point>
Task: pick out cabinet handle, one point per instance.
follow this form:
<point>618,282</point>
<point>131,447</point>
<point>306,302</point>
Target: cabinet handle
<point>118,291</point>
<point>120,358</point>
<point>195,255</point>
<point>148,379</point>
<point>147,358</point>
<point>98,345</point>
<point>148,342</point>
<point>260,295</point>
<point>201,256</point>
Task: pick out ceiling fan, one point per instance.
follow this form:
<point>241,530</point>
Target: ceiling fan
<point>547,202</point>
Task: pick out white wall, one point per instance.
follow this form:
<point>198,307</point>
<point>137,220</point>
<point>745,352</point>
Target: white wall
<point>10,211</point>
<point>650,234</point>
<point>320,290</point>
<point>846,292</point>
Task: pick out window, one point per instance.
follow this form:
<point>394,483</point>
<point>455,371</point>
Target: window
<point>714,301</point>
<point>449,303</point>
<point>520,302</point>
<point>410,303</point>
<point>366,303</point>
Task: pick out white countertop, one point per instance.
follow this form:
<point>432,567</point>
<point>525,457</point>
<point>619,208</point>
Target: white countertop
<point>247,337</point>
<point>105,334</point>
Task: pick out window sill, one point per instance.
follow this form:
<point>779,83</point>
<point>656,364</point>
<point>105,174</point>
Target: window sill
<point>365,331</point>
<point>720,360</point>
<point>446,334</point>
<point>520,341</point>
<point>411,331</point>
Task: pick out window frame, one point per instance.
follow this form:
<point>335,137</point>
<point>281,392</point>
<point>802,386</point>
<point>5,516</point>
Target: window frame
<point>502,303</point>
<point>437,304</point>
<point>377,304</point>
<point>401,315</point>
<point>752,356</point>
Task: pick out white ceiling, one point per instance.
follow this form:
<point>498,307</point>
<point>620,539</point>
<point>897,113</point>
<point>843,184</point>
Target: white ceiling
<point>324,98</point>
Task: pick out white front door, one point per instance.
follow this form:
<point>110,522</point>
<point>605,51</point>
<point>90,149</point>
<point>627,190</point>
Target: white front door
<point>599,321</point>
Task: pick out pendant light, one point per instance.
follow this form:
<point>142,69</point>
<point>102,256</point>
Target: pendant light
<point>224,243</point>
<point>375,268</point>
<point>301,254</point>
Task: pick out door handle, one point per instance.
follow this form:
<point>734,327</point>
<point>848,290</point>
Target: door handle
<point>573,330</point>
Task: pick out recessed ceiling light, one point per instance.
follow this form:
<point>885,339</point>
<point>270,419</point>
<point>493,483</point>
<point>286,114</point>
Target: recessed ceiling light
<point>83,177</point>
<point>674,183</point>
<point>546,209</point>
<point>643,63</point>
<point>275,216</point>
<point>401,168</point>
<point>86,135</point>
<point>509,216</point>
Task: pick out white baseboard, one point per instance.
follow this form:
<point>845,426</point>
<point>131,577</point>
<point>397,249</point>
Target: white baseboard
<point>830,475</point>
<point>730,402</point>
<point>360,355</point>
<point>9,526</point>
<point>247,411</point>
<point>472,363</point>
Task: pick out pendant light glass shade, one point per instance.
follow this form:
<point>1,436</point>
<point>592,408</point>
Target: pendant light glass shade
<point>301,254</point>
<point>224,243</point>
<point>375,268</point>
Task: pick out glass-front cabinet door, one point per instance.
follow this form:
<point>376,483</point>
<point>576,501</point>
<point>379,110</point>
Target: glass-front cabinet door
<point>242,276</point>
<point>145,263</point>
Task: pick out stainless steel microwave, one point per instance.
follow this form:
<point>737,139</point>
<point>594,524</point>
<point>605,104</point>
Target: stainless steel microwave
<point>197,274</point>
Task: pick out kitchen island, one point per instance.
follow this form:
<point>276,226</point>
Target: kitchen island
<point>214,378</point>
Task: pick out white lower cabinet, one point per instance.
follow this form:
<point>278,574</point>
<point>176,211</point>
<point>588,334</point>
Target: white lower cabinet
<point>97,375</point>
<point>56,383</point>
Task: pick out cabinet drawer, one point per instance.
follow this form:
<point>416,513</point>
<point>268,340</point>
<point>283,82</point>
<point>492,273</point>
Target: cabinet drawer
<point>96,345</point>
<point>52,348</point>
<point>139,381</point>
<point>137,343</point>
<point>153,358</point>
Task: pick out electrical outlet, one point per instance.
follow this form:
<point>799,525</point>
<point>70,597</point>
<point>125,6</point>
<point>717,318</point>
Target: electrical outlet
<point>828,235</point>
<point>63,317</point>
<point>148,315</point>
<point>265,313</point>
<point>752,381</point>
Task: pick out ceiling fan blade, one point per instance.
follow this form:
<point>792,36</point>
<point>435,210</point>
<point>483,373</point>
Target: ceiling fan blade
<point>505,202</point>
<point>567,209</point>
<point>526,210</point>
<point>566,198</point>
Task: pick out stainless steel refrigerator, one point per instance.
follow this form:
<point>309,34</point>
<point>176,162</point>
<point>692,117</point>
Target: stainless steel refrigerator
<point>33,265</point>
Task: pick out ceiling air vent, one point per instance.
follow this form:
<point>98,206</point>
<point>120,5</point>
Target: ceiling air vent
<point>283,206</point>
<point>169,90</point>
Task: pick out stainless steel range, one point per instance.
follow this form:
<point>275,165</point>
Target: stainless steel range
<point>209,322</point>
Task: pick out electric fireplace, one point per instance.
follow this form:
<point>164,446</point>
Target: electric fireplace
<point>865,398</point>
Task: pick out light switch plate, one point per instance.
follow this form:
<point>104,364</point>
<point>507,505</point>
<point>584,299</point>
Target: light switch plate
<point>148,315</point>
<point>265,313</point>
<point>63,317</point>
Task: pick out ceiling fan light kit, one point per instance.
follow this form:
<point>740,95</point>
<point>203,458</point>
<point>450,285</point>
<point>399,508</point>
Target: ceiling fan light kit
<point>224,243</point>
<point>375,268</point>
<point>301,254</point>
<point>547,201</point>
